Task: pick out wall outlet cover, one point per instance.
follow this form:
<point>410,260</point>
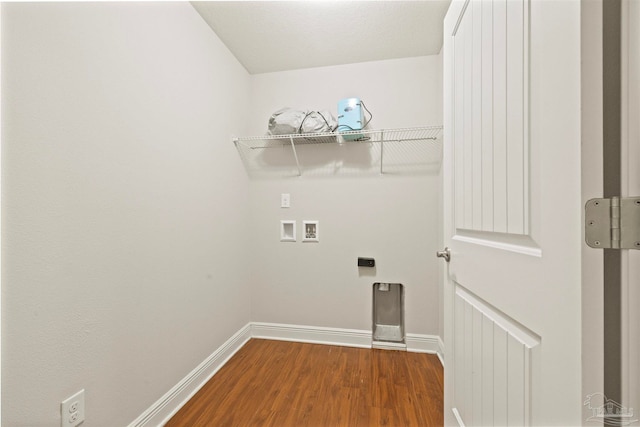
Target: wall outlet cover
<point>285,200</point>
<point>72,410</point>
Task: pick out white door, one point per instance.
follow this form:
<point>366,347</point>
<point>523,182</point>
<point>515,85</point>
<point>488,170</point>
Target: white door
<point>512,195</point>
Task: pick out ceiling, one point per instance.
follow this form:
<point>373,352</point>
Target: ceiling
<point>268,36</point>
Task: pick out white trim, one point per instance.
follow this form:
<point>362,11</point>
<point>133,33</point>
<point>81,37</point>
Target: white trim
<point>167,406</point>
<point>419,343</point>
<point>629,177</point>
<point>384,345</point>
<point>525,245</point>
<point>1,289</point>
<point>312,334</point>
<point>416,343</point>
<point>441,351</point>
<point>458,417</point>
<point>592,268</point>
<point>513,327</point>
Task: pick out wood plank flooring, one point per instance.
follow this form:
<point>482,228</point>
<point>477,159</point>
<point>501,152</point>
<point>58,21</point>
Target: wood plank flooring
<point>287,384</point>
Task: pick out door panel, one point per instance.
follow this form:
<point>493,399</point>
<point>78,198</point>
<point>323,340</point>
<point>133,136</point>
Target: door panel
<point>499,112</point>
<point>489,45</point>
<point>517,182</point>
<point>493,359</point>
<point>512,212</point>
<point>486,124</point>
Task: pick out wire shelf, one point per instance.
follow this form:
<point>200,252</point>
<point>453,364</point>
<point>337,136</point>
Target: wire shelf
<point>407,150</point>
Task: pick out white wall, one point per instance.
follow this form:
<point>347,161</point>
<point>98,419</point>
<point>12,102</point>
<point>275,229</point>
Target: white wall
<point>127,212</point>
<point>124,205</point>
<point>400,92</point>
<point>392,218</point>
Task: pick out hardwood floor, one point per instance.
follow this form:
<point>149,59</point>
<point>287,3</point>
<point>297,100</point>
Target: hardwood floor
<point>282,384</point>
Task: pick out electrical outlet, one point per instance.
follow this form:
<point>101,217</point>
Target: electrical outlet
<point>72,410</point>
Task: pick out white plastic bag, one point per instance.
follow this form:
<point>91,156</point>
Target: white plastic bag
<point>288,121</point>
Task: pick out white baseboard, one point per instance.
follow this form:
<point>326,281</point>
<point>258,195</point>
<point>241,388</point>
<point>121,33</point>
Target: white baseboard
<point>312,334</point>
<point>167,406</point>
<point>417,343</point>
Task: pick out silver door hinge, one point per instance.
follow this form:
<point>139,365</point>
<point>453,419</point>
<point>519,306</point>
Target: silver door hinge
<point>613,223</point>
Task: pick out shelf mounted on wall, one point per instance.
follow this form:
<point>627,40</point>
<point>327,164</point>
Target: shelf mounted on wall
<point>384,150</point>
